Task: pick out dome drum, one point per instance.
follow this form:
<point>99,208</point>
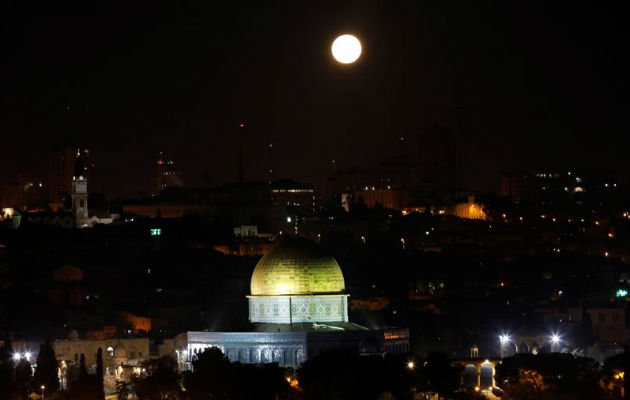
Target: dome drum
<point>298,309</point>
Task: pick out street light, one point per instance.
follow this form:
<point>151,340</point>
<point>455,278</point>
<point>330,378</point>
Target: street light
<point>411,365</point>
<point>43,388</point>
<point>505,339</point>
<point>554,339</point>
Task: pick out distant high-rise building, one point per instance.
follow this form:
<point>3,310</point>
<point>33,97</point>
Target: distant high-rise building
<point>167,175</point>
<point>387,196</point>
<point>295,196</point>
<point>398,171</point>
<point>512,186</point>
<point>63,164</point>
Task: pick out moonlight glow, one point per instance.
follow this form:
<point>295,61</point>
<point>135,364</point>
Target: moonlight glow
<point>346,49</point>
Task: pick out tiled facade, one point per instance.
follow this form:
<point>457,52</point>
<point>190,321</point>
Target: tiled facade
<point>293,309</point>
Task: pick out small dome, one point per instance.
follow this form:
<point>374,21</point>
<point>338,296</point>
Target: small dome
<point>296,267</point>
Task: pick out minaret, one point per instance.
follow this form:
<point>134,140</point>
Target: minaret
<point>79,193</point>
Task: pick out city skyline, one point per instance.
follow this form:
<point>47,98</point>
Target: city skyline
<point>519,88</point>
<point>314,200</point>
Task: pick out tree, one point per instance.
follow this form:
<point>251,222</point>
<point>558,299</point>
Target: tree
<point>99,374</point>
<point>614,370</point>
<point>82,367</point>
<point>23,375</point>
<point>46,372</point>
<point>216,377</point>
<point>550,376</point>
<point>347,375</point>
<point>440,375</point>
<point>6,371</point>
<point>213,374</point>
<point>86,387</point>
<point>162,382</point>
<point>122,390</point>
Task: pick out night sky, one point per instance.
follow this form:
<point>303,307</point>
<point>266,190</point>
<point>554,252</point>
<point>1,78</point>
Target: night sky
<point>530,84</point>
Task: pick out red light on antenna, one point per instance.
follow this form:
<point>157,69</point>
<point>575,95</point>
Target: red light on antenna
<point>242,125</point>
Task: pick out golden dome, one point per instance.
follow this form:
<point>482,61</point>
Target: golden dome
<point>296,267</point>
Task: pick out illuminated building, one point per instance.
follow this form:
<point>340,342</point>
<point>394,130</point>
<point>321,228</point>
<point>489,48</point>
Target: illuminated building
<point>469,210</point>
<point>299,308</point>
<point>297,283</point>
<point>165,210</point>
<point>122,357</point>
<point>79,194</point>
<point>297,197</point>
<point>394,172</point>
<point>248,242</point>
<point>388,197</point>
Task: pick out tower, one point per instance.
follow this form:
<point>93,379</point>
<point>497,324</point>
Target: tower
<point>167,175</point>
<point>64,161</point>
<point>79,192</point>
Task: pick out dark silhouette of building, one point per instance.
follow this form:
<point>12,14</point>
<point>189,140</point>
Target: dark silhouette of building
<point>167,175</point>
<point>63,164</point>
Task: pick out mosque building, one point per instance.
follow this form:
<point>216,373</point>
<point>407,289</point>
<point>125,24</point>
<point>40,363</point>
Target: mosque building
<point>299,308</point>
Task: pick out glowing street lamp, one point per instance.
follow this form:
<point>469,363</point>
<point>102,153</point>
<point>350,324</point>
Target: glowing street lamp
<point>555,340</point>
<point>411,364</point>
<point>43,388</point>
<point>504,339</point>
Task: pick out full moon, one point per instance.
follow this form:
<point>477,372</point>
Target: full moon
<point>346,49</point>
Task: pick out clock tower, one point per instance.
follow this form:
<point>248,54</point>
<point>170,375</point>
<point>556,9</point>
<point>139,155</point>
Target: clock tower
<point>80,193</point>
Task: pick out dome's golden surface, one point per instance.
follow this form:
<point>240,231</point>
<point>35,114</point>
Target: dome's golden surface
<point>296,267</point>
